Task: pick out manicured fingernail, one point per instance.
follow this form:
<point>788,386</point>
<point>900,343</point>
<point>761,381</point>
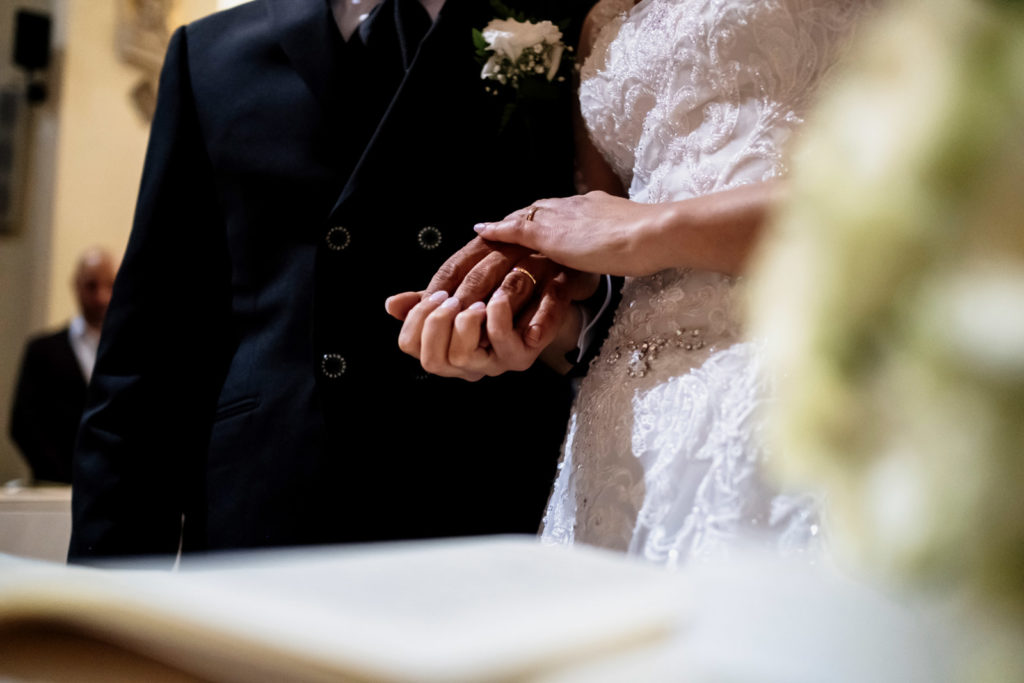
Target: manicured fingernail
<point>387,302</point>
<point>478,306</point>
<point>452,303</point>
<point>439,295</point>
<point>480,227</point>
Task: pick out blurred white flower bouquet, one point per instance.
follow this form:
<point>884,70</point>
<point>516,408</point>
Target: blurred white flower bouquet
<point>892,297</point>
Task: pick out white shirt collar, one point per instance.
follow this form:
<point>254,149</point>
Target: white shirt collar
<point>84,341</point>
<point>350,13</point>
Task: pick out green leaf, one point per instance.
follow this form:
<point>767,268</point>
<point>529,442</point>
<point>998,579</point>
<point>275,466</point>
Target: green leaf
<point>479,41</point>
<point>501,9</point>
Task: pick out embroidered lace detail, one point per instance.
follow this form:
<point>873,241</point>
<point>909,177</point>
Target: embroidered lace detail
<point>663,457</point>
<point>686,97</point>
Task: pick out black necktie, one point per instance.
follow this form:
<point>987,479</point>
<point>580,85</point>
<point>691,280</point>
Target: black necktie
<point>394,30</point>
<point>379,54</point>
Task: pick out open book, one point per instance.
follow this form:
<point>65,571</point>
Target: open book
<point>486,609</point>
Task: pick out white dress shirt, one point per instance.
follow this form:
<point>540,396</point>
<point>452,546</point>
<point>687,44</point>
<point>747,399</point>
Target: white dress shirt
<point>84,342</point>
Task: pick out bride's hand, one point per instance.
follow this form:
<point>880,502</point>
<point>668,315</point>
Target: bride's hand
<point>601,233</point>
<point>596,232</point>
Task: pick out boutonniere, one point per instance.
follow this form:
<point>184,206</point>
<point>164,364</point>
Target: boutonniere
<point>522,57</point>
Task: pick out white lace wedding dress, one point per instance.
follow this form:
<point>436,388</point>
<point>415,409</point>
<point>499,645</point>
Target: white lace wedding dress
<point>663,457</point>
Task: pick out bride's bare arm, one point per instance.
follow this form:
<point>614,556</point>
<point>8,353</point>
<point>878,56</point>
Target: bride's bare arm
<point>598,232</point>
<point>592,171</point>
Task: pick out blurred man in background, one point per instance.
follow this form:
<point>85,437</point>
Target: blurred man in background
<point>55,371</point>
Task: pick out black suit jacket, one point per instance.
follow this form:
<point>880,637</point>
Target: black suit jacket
<point>48,403</point>
<point>248,378</point>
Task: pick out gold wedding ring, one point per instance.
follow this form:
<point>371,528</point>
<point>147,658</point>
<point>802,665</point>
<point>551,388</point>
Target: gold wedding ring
<point>527,273</point>
<point>529,216</point>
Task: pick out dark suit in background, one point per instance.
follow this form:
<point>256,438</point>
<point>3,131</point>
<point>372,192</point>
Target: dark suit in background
<point>292,182</point>
<point>48,402</point>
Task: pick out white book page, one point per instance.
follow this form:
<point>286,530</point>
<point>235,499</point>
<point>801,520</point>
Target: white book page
<point>472,609</point>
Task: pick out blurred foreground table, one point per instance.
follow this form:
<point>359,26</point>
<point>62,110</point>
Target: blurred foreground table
<point>35,521</point>
<point>471,610</point>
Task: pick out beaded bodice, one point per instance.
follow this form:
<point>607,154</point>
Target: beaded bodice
<point>684,98</point>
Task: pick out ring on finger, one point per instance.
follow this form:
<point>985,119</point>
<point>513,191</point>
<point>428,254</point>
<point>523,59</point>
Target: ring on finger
<point>527,273</point>
<point>532,213</point>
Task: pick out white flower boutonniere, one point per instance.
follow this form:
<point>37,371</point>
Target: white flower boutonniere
<point>522,59</point>
<point>521,49</point>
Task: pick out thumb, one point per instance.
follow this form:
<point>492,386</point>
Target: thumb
<point>512,230</point>
<point>399,305</point>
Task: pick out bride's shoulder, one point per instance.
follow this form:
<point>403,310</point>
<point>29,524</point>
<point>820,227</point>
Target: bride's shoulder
<point>600,16</point>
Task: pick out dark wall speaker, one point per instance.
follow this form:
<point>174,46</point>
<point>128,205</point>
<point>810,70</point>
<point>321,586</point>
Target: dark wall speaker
<point>31,40</point>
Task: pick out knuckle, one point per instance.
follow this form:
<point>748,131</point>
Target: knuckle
<point>405,344</point>
<point>558,291</point>
<point>516,283</point>
<point>433,367</point>
<point>448,272</point>
<point>476,280</point>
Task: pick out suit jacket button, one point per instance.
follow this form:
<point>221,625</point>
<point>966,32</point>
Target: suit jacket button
<point>338,238</point>
<point>429,237</point>
<point>333,365</point>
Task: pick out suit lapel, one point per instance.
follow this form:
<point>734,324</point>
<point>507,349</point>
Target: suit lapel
<point>434,82</point>
<point>309,37</point>
<point>435,79</point>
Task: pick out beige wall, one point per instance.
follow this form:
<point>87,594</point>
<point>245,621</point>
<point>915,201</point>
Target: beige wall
<point>102,142</point>
<point>84,160</point>
<point>24,267</point>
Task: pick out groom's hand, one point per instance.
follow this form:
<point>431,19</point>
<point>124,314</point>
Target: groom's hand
<point>478,272</point>
<point>507,274</point>
<point>470,274</point>
<point>471,342</point>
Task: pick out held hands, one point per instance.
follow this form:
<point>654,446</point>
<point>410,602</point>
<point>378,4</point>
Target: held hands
<point>596,232</point>
<point>459,335</point>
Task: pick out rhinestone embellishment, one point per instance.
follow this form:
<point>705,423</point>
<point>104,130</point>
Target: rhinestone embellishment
<point>641,354</point>
<point>429,238</point>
